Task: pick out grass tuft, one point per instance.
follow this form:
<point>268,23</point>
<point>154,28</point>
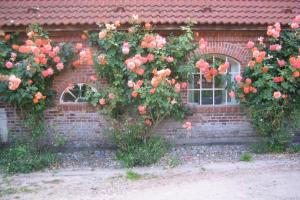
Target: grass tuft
<point>246,157</point>
<point>131,175</point>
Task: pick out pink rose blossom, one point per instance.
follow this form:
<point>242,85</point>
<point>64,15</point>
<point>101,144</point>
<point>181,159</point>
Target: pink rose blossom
<point>277,95</point>
<point>142,109</point>
<point>56,49</point>
<point>177,88</point>
<point>275,47</point>
<point>111,96</point>
<point>294,25</point>
<point>51,54</point>
<point>93,78</point>
<point>56,59</point>
<point>13,82</point>
<point>183,85</point>
<point>250,45</point>
<point>231,94</point>
<point>255,53</point>
<point>79,46</point>
<point>187,125</point>
<point>102,34</point>
<point>238,78</point>
<point>150,57</point>
<point>102,101</point>
<point>50,71</point>
<point>152,90</point>
<point>281,63</point>
<point>130,84</point>
<point>9,65</point>
<point>125,48</point>
<point>202,43</point>
<point>60,66</point>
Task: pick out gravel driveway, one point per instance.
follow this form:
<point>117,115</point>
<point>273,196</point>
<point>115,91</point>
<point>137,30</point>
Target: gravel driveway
<point>268,177</point>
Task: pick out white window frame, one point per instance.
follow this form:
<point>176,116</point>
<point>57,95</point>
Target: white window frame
<point>67,90</point>
<point>213,89</point>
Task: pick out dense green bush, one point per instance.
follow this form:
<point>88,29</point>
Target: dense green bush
<point>134,149</point>
<point>269,88</point>
<point>24,158</point>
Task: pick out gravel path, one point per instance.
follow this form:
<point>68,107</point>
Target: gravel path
<point>188,155</point>
<point>205,172</point>
<point>184,154</point>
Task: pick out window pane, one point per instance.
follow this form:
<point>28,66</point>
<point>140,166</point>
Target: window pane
<point>194,81</point>
<point>68,97</point>
<point>194,96</point>
<point>231,100</point>
<point>207,97</point>
<point>220,81</point>
<point>234,66</point>
<point>220,97</point>
<point>76,93</point>
<point>206,84</point>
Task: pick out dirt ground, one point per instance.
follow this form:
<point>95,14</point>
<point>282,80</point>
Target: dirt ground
<point>267,179</point>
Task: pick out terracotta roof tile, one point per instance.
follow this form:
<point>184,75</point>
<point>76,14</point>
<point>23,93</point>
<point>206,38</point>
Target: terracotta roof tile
<point>71,12</point>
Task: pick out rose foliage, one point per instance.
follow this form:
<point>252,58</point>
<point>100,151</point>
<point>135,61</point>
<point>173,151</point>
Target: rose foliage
<point>145,71</point>
<point>27,70</point>
<point>269,88</point>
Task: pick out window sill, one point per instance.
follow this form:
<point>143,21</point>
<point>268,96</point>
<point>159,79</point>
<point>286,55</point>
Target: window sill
<point>72,106</point>
<point>214,108</point>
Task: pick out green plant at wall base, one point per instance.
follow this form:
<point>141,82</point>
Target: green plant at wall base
<point>27,70</point>
<point>246,157</point>
<point>131,175</point>
<point>269,88</point>
<point>25,158</point>
<point>134,149</point>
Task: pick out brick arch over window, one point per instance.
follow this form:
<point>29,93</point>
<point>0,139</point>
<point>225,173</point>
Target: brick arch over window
<point>236,51</point>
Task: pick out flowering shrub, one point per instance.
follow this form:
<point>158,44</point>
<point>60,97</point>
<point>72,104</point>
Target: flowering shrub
<point>270,84</point>
<point>27,70</point>
<point>144,70</point>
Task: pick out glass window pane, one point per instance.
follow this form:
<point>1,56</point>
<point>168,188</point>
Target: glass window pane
<point>68,97</point>
<point>231,100</point>
<point>207,97</point>
<point>194,96</point>
<point>214,89</point>
<point>206,83</point>
<point>234,66</point>
<point>220,97</point>
<point>194,81</point>
<point>220,81</point>
<point>76,93</point>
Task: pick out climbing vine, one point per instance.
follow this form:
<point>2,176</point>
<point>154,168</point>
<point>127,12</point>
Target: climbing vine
<point>269,87</point>
<point>27,70</point>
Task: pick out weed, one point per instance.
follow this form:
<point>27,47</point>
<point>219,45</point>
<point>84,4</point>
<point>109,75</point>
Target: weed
<point>246,157</point>
<point>173,162</point>
<point>131,175</point>
<point>25,158</point>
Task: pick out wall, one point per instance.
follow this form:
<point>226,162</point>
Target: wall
<point>77,125</point>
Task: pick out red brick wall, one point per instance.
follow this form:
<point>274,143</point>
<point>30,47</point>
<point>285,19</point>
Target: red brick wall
<point>79,125</point>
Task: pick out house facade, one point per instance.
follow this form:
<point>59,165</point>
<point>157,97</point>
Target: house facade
<point>227,25</point>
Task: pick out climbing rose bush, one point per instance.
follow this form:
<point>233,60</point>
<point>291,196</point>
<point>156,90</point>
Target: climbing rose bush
<point>27,69</point>
<point>146,72</point>
<point>269,87</point>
